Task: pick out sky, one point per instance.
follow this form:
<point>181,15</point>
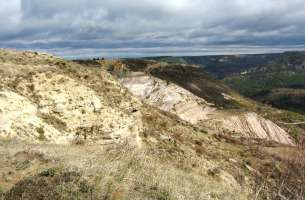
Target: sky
<point>137,28</point>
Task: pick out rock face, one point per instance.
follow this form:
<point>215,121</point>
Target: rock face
<point>19,119</point>
<point>54,102</point>
<point>249,125</point>
<point>177,100</point>
<point>168,97</point>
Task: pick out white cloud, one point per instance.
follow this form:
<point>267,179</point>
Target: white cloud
<point>10,15</point>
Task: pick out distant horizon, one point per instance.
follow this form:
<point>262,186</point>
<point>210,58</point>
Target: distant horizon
<point>193,54</point>
<point>233,52</point>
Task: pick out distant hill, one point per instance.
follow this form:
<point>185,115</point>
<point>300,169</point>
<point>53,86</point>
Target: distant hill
<point>223,65</point>
<point>263,77</point>
<point>280,82</point>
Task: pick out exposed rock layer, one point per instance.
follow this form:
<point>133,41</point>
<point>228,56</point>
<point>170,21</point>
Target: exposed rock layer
<point>168,97</point>
<point>56,102</point>
<point>248,125</point>
<point>172,98</point>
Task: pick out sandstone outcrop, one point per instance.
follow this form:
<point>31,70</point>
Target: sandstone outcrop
<point>54,102</point>
<point>177,100</point>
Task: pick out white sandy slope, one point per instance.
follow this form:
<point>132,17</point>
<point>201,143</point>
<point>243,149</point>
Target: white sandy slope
<point>172,98</point>
<point>18,119</point>
<point>45,103</point>
<point>168,97</point>
<point>248,125</point>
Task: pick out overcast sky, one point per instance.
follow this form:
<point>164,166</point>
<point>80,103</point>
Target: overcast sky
<point>113,28</point>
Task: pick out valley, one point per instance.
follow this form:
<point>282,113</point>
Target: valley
<point>274,79</point>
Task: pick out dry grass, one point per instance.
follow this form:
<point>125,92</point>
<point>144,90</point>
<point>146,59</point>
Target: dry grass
<point>195,170</point>
<point>292,176</point>
<point>121,171</point>
<point>283,175</point>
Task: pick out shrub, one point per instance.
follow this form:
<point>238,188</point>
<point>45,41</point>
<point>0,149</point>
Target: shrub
<point>1,193</point>
<point>41,136</point>
<point>292,178</point>
<point>54,183</point>
<point>285,178</point>
<point>22,164</point>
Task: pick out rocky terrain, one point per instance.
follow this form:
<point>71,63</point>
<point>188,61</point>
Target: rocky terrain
<point>173,98</point>
<point>249,125</point>
<point>57,102</point>
<point>168,97</point>
<point>70,131</point>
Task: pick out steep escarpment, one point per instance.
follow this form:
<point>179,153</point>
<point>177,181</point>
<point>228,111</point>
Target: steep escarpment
<point>42,101</point>
<point>174,94</point>
<point>19,119</point>
<point>189,77</point>
<point>273,79</point>
<point>168,97</point>
<point>248,124</point>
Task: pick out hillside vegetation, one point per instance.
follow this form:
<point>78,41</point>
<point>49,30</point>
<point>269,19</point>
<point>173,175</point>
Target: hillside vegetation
<point>274,79</point>
<point>280,83</point>
<point>223,65</point>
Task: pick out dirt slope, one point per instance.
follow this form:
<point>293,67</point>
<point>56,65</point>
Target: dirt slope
<point>168,97</point>
<point>57,101</point>
<point>173,98</point>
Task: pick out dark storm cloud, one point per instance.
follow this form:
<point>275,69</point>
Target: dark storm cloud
<point>150,27</point>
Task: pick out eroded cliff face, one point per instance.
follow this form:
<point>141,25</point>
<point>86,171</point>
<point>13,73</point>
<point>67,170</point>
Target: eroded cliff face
<point>168,97</point>
<point>19,119</point>
<point>54,102</point>
<point>177,100</point>
<point>248,124</point>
